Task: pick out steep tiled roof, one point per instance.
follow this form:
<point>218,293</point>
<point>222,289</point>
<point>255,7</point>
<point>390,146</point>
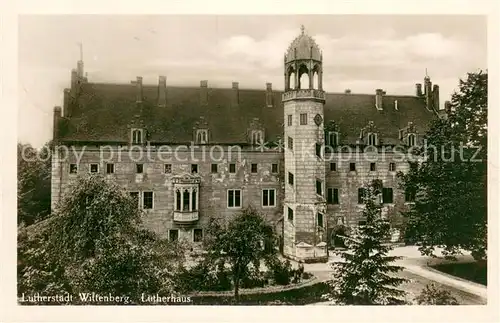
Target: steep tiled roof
<point>106,112</point>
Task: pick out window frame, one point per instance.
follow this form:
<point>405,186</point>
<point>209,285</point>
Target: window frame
<point>170,235</point>
<point>385,195</point>
<point>167,167</point>
<point>214,166</point>
<point>232,165</point>
<point>144,199</point>
<point>303,119</point>
<point>194,235</point>
<point>290,120</point>
<point>290,143</point>
<point>373,167</point>
<point>292,177</point>
<point>333,196</point>
<point>194,168</point>
<point>108,168</point>
<point>269,205</point>
<point>273,170</point>
<point>352,167</point>
<point>319,184</point>
<point>333,167</point>
<point>70,169</point>
<point>289,212</point>
<point>252,168</point>
<point>234,198</point>
<point>392,167</point>
<point>90,168</point>
<point>137,140</point>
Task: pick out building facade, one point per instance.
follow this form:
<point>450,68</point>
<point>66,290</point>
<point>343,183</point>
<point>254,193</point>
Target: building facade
<point>187,154</point>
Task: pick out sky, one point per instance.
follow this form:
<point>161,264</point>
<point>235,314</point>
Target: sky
<point>360,52</point>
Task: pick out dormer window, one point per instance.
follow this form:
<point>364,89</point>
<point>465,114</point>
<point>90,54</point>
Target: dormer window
<point>137,136</point>
<point>411,140</point>
<point>332,138</point>
<point>257,137</point>
<point>372,139</point>
<point>202,136</point>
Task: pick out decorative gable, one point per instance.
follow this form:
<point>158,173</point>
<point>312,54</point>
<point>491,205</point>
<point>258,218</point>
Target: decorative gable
<point>255,132</point>
<point>201,131</point>
<point>409,135</point>
<point>369,135</point>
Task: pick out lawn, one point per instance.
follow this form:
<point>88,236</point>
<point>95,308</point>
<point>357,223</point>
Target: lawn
<point>473,271</point>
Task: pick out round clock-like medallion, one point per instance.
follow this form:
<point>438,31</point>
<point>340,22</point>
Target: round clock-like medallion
<point>318,119</point>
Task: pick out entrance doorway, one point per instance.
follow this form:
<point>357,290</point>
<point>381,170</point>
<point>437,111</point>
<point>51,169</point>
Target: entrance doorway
<point>336,237</point>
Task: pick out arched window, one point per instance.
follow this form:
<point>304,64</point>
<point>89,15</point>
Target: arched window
<point>411,140</point>
<point>304,81</point>
<point>291,78</point>
<point>333,138</point>
<point>257,137</point>
<point>193,201</point>
<point>202,136</point>
<point>178,200</point>
<point>185,200</point>
<point>372,139</point>
<point>137,136</point>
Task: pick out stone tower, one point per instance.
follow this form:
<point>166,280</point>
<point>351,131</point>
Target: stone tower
<point>305,220</point>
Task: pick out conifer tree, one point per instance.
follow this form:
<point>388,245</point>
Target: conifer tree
<point>365,273</point>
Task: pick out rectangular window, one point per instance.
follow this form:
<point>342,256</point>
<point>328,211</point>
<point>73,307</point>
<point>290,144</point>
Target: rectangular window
<point>110,168</point>
<point>290,178</point>
<point>361,195</point>
<point>333,196</point>
<point>410,194</point>
<point>197,235</point>
<point>320,220</point>
<point>318,150</point>
<point>332,139</point>
<point>234,198</point>
<point>392,167</point>
<point>290,143</point>
<point>173,235</point>
<point>303,119</point>
<point>333,167</point>
<point>139,168</point>
<point>135,197</point>
<point>254,168</point>
<point>274,168</point>
<point>319,187</point>
<point>232,168</point>
<point>269,197</point>
<point>73,168</point>
<point>290,214</point>
<point>214,168</point>
<point>352,167</point>
<point>147,200</point>
<point>387,195</point>
<point>290,120</point>
<point>94,168</point>
<point>194,168</point>
<point>168,168</point>
<point>373,167</point>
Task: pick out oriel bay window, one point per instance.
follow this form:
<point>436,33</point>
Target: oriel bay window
<point>186,199</point>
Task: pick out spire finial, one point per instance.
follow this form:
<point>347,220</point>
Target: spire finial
<point>81,51</point>
<point>302,28</point>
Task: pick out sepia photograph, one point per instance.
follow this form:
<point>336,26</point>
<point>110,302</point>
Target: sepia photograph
<point>295,159</point>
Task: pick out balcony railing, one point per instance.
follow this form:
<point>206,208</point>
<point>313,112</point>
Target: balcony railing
<point>304,94</point>
<point>186,217</point>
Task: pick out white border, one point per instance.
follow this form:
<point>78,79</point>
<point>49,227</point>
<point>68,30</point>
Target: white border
<point>8,29</point>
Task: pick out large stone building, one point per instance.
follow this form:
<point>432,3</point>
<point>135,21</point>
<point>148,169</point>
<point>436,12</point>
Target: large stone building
<point>300,156</point>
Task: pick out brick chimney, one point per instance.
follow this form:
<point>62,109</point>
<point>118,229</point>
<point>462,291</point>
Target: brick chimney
<point>418,88</point>
<point>138,85</point>
<point>269,95</point>
<point>162,91</point>
<point>204,92</point>
<point>428,92</point>
<point>235,95</point>
<point>379,93</point>
<point>435,97</point>
<point>56,121</point>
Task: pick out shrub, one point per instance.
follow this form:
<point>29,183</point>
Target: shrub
<point>431,295</point>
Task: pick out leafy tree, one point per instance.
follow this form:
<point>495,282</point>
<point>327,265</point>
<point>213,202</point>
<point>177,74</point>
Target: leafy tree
<point>33,184</point>
<point>240,244</point>
<point>431,295</point>
<point>364,276</point>
<point>95,242</point>
<point>450,180</point>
